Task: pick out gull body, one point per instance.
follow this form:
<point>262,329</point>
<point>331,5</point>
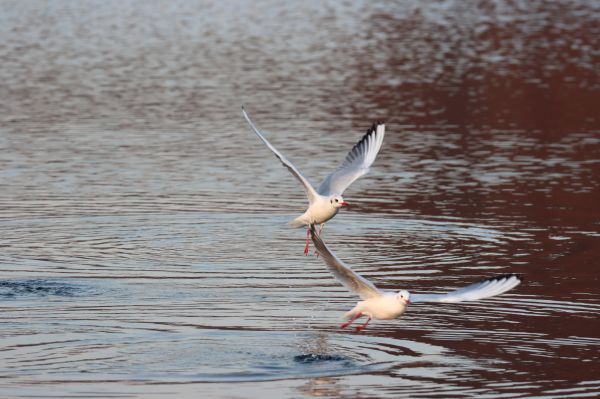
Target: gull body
<point>385,306</point>
<point>325,202</point>
<point>319,211</point>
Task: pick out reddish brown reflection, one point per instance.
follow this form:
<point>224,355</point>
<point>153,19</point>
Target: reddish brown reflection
<point>502,99</point>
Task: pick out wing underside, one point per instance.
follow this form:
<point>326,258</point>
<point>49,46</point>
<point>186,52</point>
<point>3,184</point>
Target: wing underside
<point>484,289</point>
<point>357,162</point>
<point>350,279</point>
<point>310,191</point>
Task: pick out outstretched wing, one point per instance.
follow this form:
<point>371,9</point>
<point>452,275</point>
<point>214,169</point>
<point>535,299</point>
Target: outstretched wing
<point>357,162</point>
<point>484,289</point>
<point>351,280</point>
<point>310,191</point>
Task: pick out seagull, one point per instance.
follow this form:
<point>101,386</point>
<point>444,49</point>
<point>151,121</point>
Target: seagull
<point>325,202</point>
<point>390,305</point>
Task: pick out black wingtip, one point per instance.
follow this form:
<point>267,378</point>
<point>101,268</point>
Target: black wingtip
<point>370,131</point>
<point>374,127</point>
<point>506,276</point>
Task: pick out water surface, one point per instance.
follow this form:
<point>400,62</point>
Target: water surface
<point>143,236</point>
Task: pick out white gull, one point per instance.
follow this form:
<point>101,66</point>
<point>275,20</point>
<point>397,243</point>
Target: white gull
<point>390,305</point>
<point>326,201</point>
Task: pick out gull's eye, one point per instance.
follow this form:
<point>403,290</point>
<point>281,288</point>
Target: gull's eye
<point>336,200</point>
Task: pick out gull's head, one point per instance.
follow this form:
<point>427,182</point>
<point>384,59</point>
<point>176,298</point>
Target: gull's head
<point>403,297</point>
<point>337,201</point>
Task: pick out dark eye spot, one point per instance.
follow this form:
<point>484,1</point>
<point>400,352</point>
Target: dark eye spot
<point>336,200</point>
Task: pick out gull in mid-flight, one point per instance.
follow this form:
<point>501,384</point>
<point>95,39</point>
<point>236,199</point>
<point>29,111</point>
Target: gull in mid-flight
<point>326,201</point>
<point>385,306</point>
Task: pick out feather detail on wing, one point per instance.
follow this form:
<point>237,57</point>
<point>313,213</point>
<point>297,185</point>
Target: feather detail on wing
<point>351,280</point>
<point>310,191</point>
<point>357,162</point>
<point>484,289</point>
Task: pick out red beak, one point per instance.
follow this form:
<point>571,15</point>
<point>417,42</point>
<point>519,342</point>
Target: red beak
<point>408,301</point>
<point>344,203</point>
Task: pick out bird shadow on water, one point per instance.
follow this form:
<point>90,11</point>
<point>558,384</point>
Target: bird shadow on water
<point>315,351</point>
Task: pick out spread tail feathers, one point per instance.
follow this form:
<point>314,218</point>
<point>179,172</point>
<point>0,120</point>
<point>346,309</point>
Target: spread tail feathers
<point>296,223</point>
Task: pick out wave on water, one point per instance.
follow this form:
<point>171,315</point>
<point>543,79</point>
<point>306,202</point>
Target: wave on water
<point>39,288</point>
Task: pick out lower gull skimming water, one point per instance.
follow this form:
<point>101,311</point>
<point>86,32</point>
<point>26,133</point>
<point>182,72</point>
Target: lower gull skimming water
<point>386,306</point>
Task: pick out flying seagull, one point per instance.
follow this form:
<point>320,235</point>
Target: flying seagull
<point>325,202</point>
<point>389,305</point>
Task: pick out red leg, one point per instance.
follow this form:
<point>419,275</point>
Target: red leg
<point>346,324</point>
<point>362,327</point>
<point>307,238</point>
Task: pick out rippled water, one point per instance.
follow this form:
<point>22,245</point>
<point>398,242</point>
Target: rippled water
<point>144,250</point>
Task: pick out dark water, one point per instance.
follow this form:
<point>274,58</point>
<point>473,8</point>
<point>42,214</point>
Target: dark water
<point>144,250</point>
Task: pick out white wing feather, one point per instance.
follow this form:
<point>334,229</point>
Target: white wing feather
<point>357,162</point>
<point>351,280</point>
<point>310,191</point>
<point>484,289</point>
